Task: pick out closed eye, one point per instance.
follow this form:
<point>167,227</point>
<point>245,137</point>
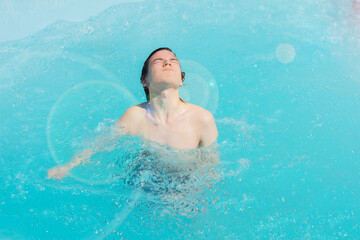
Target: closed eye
<point>157,60</point>
<point>160,60</point>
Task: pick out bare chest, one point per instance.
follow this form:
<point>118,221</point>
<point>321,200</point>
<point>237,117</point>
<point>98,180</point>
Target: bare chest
<point>181,134</point>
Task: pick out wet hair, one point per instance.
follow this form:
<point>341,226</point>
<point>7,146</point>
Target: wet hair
<point>145,70</point>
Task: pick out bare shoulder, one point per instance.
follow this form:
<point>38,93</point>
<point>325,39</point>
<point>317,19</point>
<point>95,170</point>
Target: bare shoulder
<point>131,113</point>
<point>129,120</point>
<point>200,115</point>
<point>205,123</point>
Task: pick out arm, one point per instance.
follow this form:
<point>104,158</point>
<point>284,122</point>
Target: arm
<point>59,172</point>
<point>208,132</point>
<point>102,143</point>
<point>208,137</point>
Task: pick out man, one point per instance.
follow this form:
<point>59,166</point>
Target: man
<point>165,118</point>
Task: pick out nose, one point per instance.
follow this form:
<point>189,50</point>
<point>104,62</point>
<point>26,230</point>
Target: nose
<point>166,62</point>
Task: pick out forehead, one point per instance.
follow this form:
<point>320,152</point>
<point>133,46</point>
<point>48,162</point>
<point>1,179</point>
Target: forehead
<point>162,54</point>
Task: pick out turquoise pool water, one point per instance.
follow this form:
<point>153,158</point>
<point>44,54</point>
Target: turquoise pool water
<point>281,79</point>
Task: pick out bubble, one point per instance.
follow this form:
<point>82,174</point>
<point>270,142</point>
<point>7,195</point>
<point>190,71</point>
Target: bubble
<point>285,53</point>
<point>78,113</point>
<point>199,86</point>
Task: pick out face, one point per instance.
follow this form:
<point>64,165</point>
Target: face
<point>164,70</point>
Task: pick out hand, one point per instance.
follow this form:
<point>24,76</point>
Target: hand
<point>58,172</point>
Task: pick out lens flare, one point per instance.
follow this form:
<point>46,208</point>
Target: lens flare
<point>199,86</point>
<point>285,53</point>
<point>74,118</point>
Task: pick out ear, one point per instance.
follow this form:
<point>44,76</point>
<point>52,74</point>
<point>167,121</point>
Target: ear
<point>182,78</point>
<point>144,82</point>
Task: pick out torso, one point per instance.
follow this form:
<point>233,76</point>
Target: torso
<point>181,133</point>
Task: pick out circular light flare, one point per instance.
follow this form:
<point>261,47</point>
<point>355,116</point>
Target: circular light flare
<point>64,125</point>
<point>200,86</point>
<point>285,53</point>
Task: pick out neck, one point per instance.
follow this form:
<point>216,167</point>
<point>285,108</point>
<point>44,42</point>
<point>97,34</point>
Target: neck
<point>165,105</point>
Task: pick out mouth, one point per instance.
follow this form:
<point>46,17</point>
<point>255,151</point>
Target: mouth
<point>167,69</point>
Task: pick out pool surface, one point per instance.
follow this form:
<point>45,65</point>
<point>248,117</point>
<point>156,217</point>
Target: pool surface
<point>280,77</point>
